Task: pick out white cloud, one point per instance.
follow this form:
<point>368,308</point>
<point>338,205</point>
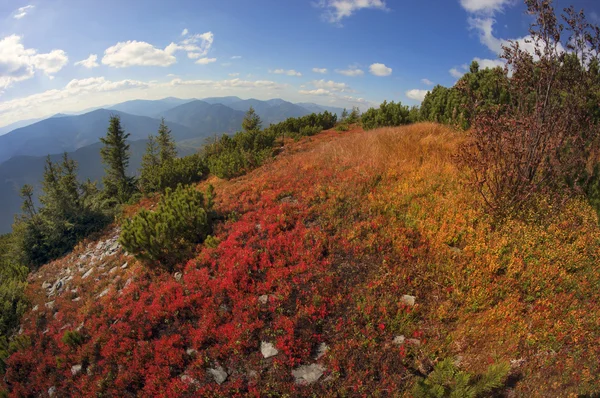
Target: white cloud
<point>234,74</point>
<point>320,70</point>
<point>198,44</point>
<point>418,95</point>
<point>319,91</point>
<point>290,72</point>
<point>22,11</point>
<point>427,82</point>
<point>236,57</point>
<point>331,85</point>
<point>485,6</point>
<point>136,53</point>
<point>352,71</point>
<point>185,32</point>
<point>336,10</point>
<point>206,61</point>
<point>18,63</point>
<point>456,73</point>
<point>380,70</point>
<point>489,63</point>
<point>232,83</point>
<point>89,62</point>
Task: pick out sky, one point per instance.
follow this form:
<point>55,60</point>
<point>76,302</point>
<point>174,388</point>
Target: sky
<point>61,56</point>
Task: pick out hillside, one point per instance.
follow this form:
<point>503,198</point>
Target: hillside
<point>350,265</point>
<point>69,133</point>
<point>150,108</point>
<point>206,118</point>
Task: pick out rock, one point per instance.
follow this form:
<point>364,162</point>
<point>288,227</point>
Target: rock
<point>219,374</point>
<point>414,341</point>
<point>178,276</point>
<point>189,380</point>
<point>268,350</point>
<point>75,369</point>
<point>50,305</point>
<point>264,299</point>
<point>515,363</point>
<point>253,374</point>
<point>35,308</point>
<point>308,374</point>
<point>399,340</point>
<point>104,292</point>
<point>46,285</point>
<point>408,300</point>
<point>76,299</point>
<point>100,246</point>
<point>322,350</point>
<point>112,270</point>
<point>88,273</point>
<point>124,265</point>
<point>191,351</point>
<point>51,391</point>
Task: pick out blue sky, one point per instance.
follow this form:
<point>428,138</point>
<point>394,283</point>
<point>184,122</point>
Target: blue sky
<point>69,55</point>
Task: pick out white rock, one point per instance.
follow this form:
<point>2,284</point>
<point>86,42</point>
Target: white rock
<point>399,340</point>
<point>264,299</point>
<point>408,300</point>
<point>46,285</point>
<point>219,374</point>
<point>322,350</point>
<point>178,276</point>
<point>191,351</point>
<point>50,305</point>
<point>124,265</point>
<point>189,379</point>
<point>88,273</point>
<point>35,308</point>
<point>51,391</point>
<point>76,299</point>
<point>75,369</point>
<point>308,374</point>
<point>104,292</point>
<point>112,270</point>
<point>268,350</point>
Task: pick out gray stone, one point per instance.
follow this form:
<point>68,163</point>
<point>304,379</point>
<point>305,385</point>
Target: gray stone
<point>264,299</point>
<point>308,374</point>
<point>75,369</point>
<point>191,351</point>
<point>112,270</point>
<point>178,276</point>
<point>35,308</point>
<point>268,350</point>
<point>46,285</point>
<point>408,300</point>
<point>104,292</point>
<point>399,340</point>
<point>51,391</point>
<point>76,299</point>
<point>88,273</point>
<point>124,265</point>
<point>50,305</point>
<point>219,374</point>
<point>189,380</point>
<point>322,350</point>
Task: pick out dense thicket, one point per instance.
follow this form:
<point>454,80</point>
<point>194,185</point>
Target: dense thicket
<point>388,114</point>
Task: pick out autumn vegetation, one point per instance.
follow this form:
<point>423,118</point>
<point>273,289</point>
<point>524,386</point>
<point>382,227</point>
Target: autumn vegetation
<point>480,206</point>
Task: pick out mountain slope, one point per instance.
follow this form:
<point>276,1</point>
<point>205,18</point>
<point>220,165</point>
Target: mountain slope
<point>150,108</point>
<point>206,118</point>
<point>21,170</point>
<point>272,111</point>
<point>69,133</point>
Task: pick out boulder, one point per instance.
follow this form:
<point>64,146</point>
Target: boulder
<point>308,374</point>
<point>219,374</point>
<point>408,300</point>
<point>268,350</point>
<point>75,369</point>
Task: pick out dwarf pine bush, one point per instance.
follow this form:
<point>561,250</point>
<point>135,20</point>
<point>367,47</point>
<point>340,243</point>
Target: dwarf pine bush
<point>168,235</point>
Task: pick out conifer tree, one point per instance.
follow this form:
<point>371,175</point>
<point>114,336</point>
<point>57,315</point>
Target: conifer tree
<point>166,145</point>
<point>150,164</point>
<point>115,156</point>
<point>251,121</point>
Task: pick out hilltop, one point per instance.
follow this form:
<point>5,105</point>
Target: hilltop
<point>352,264</point>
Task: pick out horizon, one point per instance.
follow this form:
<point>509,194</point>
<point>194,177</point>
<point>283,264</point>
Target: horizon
<point>341,53</point>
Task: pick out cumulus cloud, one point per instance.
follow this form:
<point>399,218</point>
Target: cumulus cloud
<point>427,82</point>
<point>89,62</point>
<point>18,63</point>
<point>485,6</point>
<point>456,73</point>
<point>336,10</point>
<point>352,71</point>
<point>380,70</point>
<point>418,95</point>
<point>331,85</point>
<point>236,57</point>
<point>234,74</point>
<point>206,61</point>
<point>290,72</point>
<point>185,32</point>
<point>225,84</point>
<point>22,11</point>
<point>490,63</point>
<point>139,53</point>
<point>320,91</point>
<point>320,70</point>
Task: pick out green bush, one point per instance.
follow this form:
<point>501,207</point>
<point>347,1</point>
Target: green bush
<point>342,127</point>
<point>447,380</point>
<point>171,173</point>
<point>73,338</point>
<point>388,115</point>
<point>168,235</point>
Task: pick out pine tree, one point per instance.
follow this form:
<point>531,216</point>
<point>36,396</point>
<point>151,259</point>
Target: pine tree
<point>166,145</point>
<point>150,164</point>
<point>115,156</point>
<point>251,121</point>
<point>28,207</point>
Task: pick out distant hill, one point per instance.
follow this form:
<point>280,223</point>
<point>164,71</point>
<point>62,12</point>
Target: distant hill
<point>272,111</point>
<point>222,100</point>
<point>206,118</point>
<point>150,108</point>
<point>315,108</point>
<point>21,170</point>
<point>69,133</point>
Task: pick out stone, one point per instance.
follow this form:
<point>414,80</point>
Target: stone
<point>191,351</point>
<point>50,305</point>
<point>264,299</point>
<point>408,300</point>
<point>308,374</point>
<point>35,308</point>
<point>322,350</point>
<point>124,265</point>
<point>414,341</point>
<point>188,379</point>
<point>399,340</point>
<point>46,285</point>
<point>76,299</point>
<point>219,374</point>
<point>178,276</point>
<point>88,273</point>
<point>268,350</point>
<point>51,391</point>
<point>104,292</point>
<point>75,369</point>
<point>112,270</point>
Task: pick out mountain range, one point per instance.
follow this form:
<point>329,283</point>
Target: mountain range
<point>23,150</point>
